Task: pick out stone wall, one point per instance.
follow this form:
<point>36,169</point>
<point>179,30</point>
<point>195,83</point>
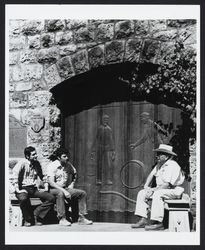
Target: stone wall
<point>43,53</point>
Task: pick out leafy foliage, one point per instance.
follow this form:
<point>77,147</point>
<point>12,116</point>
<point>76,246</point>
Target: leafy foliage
<point>174,82</point>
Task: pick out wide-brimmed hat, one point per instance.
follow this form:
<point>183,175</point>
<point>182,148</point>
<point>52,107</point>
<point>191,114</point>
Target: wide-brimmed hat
<point>165,149</point>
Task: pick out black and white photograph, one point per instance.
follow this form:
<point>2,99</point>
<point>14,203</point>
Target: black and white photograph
<point>102,113</point>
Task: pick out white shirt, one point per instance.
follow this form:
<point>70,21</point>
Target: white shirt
<point>169,172</point>
<point>59,173</point>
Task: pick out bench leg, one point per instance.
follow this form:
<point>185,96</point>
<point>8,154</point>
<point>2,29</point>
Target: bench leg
<point>179,221</point>
<point>16,218</point>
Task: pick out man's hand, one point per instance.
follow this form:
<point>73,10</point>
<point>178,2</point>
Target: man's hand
<point>149,191</point>
<point>41,190</point>
<point>21,191</point>
<point>67,194</point>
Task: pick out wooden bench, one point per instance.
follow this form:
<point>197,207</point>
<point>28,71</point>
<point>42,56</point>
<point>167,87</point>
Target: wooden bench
<point>178,214</point>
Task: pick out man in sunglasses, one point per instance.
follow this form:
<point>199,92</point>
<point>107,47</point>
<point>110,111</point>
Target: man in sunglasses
<point>169,178</point>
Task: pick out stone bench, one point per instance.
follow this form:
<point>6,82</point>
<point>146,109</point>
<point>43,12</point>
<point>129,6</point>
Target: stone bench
<point>178,214</point>
<point>16,218</point>
<point>16,214</point>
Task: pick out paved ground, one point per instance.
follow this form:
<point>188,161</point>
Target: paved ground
<point>97,227</point>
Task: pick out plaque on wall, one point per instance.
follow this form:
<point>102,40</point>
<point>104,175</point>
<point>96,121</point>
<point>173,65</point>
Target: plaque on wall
<point>17,137</point>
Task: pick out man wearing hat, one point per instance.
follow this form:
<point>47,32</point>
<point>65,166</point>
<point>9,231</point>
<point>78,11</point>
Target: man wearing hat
<point>169,179</point>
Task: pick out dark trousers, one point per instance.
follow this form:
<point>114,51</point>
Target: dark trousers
<point>77,195</point>
<point>41,211</point>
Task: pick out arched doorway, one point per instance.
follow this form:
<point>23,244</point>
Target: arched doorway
<point>83,101</point>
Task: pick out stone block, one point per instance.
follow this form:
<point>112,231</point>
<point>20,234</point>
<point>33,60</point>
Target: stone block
<point>17,43</point>
<point>124,29</point>
<point>166,35</point>
<point>105,32</point>
<point>54,25</point>
<point>47,39</point>
<point>188,35</point>
<point>32,27</point>
<point>13,58</point>
<point>180,23</point>
<point>23,86</point>
<point>15,27</point>
<point>65,67</point>
<point>28,56</point>
<point>16,73</point>
<point>34,42</point>
<point>80,62</point>
<point>67,50</point>
<point>150,50</point>
<point>141,27</point>
<point>32,72</point>
<point>96,56</point>
<point>63,38</point>
<point>15,115</point>
<point>39,99</point>
<point>84,35</point>
<point>39,85</point>
<point>114,51</point>
<point>48,56</point>
<point>133,49</point>
<point>157,25</point>
<point>18,99</point>
<point>75,24</point>
<point>51,76</point>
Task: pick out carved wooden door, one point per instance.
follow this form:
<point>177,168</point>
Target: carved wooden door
<point>100,151</point>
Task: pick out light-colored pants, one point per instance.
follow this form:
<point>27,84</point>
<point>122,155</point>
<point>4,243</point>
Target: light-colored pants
<point>76,194</point>
<point>157,206</point>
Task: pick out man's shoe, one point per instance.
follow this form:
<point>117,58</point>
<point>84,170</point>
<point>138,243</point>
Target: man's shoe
<point>84,221</point>
<point>158,226</point>
<point>141,223</point>
<point>64,222</point>
<point>37,221</point>
<point>27,224</point>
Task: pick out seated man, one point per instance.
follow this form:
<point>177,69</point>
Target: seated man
<point>28,177</point>
<point>169,177</point>
<point>58,173</point>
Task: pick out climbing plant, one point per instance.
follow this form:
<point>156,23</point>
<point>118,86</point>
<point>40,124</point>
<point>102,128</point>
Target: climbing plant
<point>173,83</point>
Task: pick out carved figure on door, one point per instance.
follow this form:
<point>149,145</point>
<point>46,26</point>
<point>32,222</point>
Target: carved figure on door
<point>152,131</point>
<point>104,149</point>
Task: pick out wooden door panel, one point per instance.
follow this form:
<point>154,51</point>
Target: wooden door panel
<point>124,121</point>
